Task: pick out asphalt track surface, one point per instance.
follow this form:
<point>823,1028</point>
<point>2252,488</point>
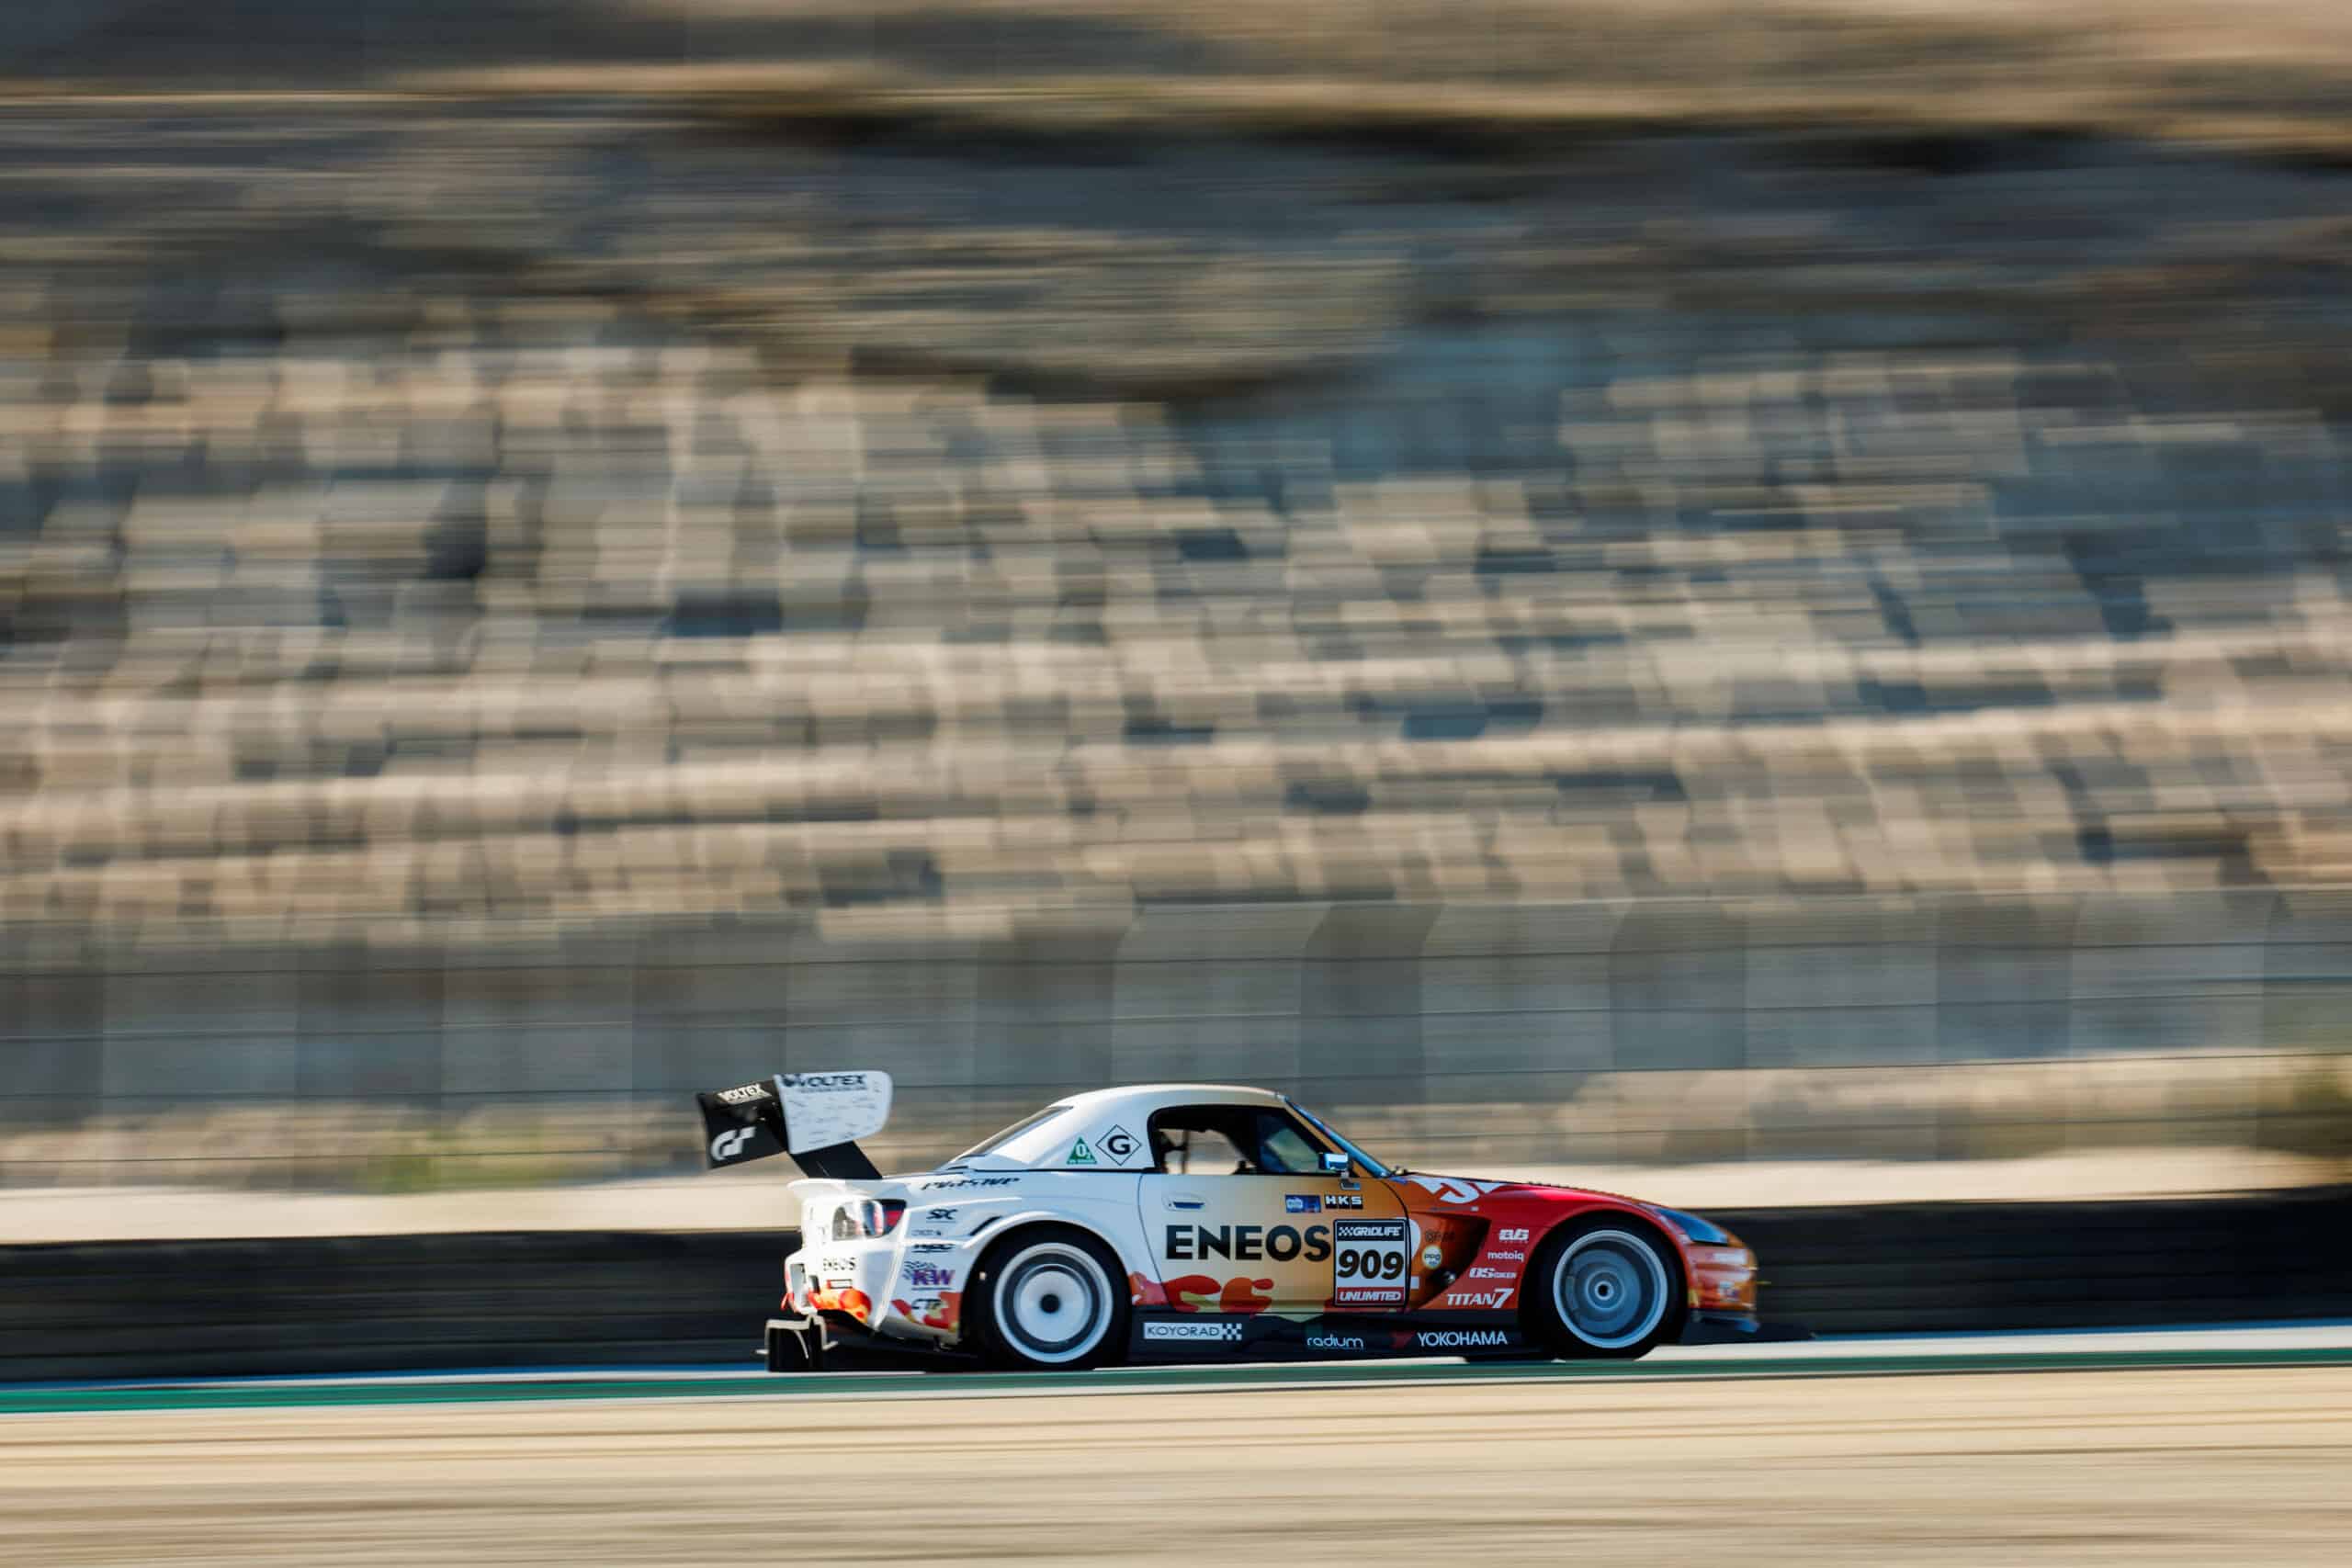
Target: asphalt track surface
<point>2230,1447</point>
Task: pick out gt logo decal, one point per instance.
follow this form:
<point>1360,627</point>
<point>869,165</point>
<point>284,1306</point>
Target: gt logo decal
<point>727,1145</point>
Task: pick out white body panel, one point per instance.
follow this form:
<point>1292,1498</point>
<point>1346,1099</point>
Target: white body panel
<point>909,1275</point>
<point>1085,1166</point>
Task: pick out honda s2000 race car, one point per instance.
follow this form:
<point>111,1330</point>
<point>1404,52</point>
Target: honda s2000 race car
<point>1192,1222</point>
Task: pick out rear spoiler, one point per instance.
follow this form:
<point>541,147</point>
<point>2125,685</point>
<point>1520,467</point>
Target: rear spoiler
<point>817,1118</point>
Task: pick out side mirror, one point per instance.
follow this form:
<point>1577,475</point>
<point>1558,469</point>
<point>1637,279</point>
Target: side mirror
<point>1335,1163</point>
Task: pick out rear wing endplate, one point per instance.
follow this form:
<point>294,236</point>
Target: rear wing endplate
<point>817,1118</point>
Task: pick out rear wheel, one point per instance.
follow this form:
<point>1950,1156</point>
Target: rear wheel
<point>1050,1298</point>
<point>1608,1287</point>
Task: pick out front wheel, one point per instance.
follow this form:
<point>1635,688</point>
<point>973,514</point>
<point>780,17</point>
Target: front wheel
<point>1048,1302</point>
<point>1608,1287</point>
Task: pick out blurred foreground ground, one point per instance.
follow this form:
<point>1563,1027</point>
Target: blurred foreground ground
<point>2240,1466</point>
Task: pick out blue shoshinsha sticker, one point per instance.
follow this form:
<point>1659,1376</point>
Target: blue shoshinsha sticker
<point>1302,1203</point>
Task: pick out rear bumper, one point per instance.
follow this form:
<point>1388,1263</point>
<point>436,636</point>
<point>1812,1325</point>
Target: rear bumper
<point>826,1343</point>
<point>795,1345</point>
<point>1718,1329</point>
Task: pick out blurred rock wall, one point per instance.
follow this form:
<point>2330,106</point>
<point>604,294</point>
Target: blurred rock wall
<point>1703,634</point>
<point>1453,1036</point>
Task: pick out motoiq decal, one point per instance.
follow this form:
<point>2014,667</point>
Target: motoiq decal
<point>1368,1262</point>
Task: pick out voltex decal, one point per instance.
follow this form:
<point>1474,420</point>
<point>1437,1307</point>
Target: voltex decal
<point>1368,1261</point>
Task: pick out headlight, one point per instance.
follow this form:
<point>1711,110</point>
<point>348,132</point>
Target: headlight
<point>1697,1229</point>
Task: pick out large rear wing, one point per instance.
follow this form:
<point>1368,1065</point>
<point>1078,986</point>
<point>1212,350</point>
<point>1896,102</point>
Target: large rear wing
<point>817,1118</point>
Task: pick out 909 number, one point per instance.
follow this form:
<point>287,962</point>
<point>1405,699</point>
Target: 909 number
<point>1371,1263</point>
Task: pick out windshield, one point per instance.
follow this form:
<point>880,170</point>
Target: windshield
<point>1372,1167</point>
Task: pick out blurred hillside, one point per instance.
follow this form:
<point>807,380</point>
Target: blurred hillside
<point>815,485</point>
<point>976,473</point>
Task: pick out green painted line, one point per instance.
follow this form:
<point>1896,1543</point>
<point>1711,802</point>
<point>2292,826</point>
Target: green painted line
<point>27,1400</point>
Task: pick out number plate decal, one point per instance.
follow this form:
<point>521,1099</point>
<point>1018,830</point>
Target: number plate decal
<point>1368,1262</point>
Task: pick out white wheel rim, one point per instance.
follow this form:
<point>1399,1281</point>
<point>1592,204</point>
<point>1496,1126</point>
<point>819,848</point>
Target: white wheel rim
<point>1610,1289</point>
<point>1053,1303</point>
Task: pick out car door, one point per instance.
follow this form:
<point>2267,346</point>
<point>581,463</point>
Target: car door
<point>1240,1218</point>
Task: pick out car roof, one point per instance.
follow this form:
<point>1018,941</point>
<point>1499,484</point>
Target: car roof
<point>1068,1138</point>
<point>1155,1095</point>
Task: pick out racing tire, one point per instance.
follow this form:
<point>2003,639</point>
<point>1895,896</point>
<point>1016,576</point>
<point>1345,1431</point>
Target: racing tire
<point>1608,1287</point>
<point>1049,1298</point>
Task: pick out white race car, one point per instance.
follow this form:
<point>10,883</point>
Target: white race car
<point>1198,1221</point>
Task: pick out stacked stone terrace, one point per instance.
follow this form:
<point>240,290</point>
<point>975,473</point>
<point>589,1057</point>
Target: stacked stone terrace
<point>517,611</point>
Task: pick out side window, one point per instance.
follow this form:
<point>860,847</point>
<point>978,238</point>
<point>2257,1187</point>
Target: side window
<point>1205,1140</point>
<point>1203,1151</point>
<point>1282,1148</point>
<point>1231,1140</point>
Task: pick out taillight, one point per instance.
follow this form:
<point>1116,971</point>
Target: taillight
<point>868,1217</point>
